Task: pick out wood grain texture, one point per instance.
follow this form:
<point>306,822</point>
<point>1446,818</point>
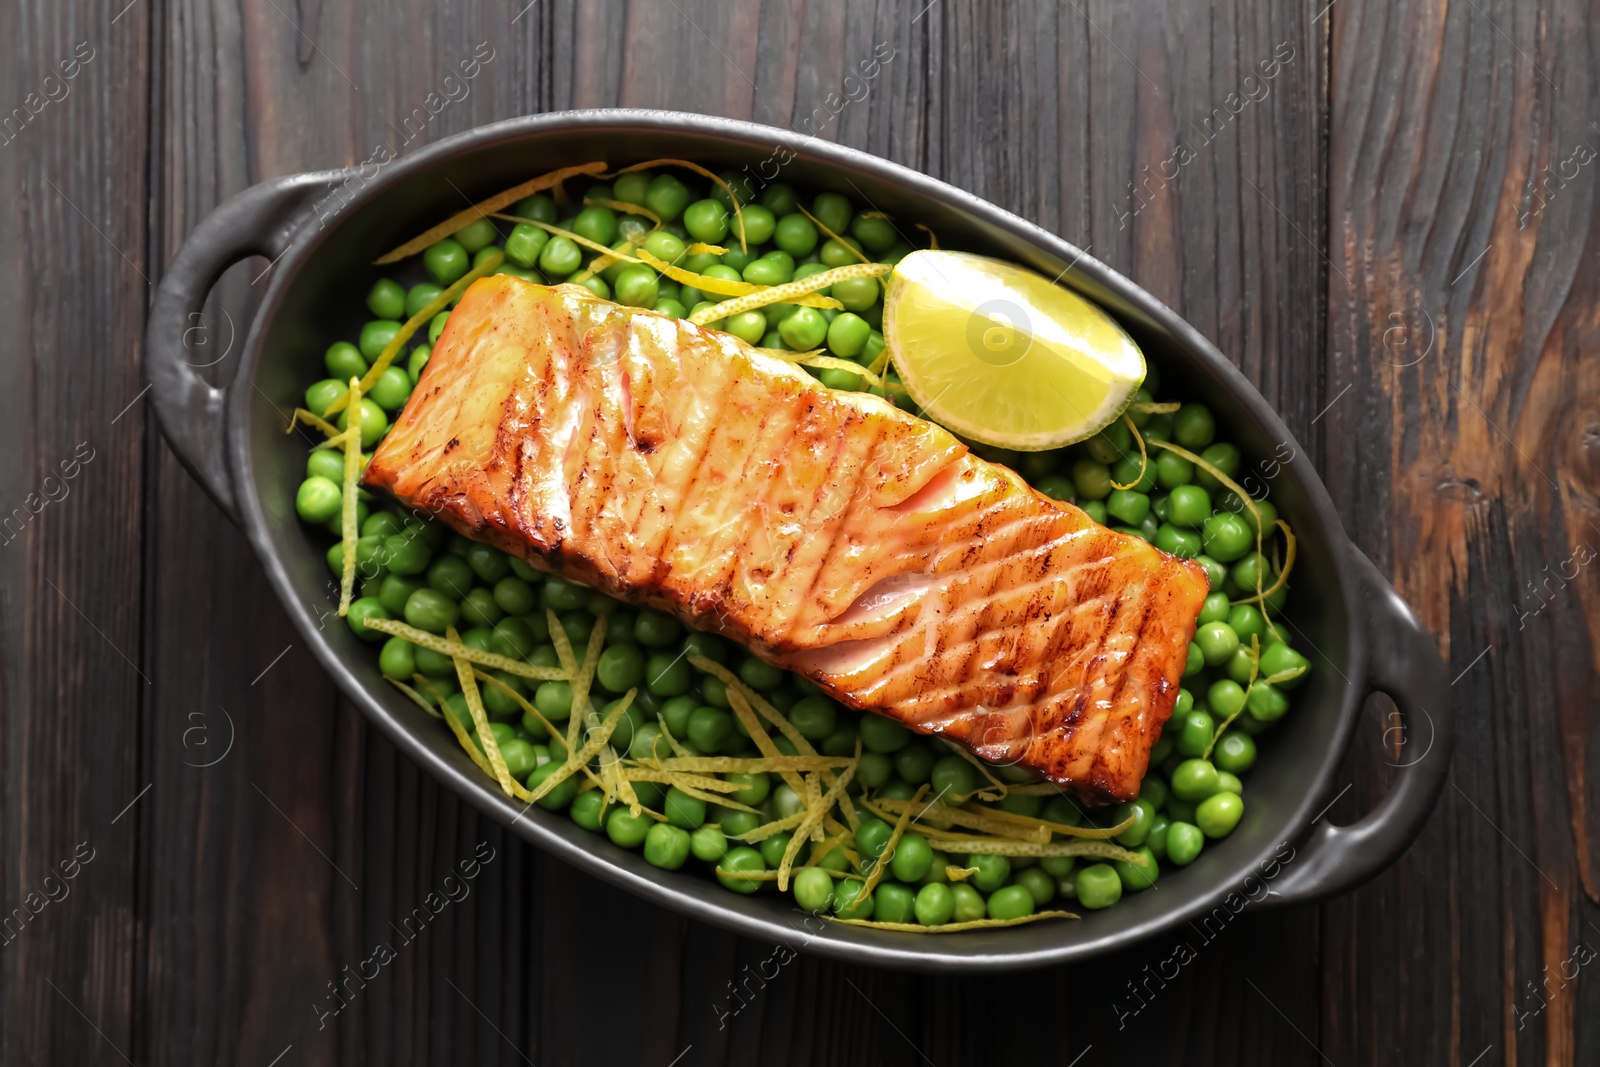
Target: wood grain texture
<point>1461,333</point>
<point>71,500</point>
<point>1324,228</point>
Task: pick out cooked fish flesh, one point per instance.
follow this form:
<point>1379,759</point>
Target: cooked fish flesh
<point>674,466</point>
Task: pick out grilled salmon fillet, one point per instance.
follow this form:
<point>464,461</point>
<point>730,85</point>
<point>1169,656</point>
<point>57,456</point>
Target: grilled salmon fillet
<point>674,466</point>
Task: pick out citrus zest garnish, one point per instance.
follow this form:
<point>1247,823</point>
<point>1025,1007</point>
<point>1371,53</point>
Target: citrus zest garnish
<point>785,293</point>
<point>312,419</point>
<point>1146,407</point>
<point>812,815</point>
<point>720,286</point>
<point>455,649</point>
<point>600,263</point>
<point>996,846</point>
<point>876,874</point>
<point>959,874</point>
<point>933,238</point>
<point>347,516</point>
<point>577,758</point>
<point>1255,669</point>
<point>953,928</point>
<point>626,208</point>
<point>1144,456</point>
<point>416,698</point>
<point>480,720</point>
<point>487,207</point>
<point>700,248</point>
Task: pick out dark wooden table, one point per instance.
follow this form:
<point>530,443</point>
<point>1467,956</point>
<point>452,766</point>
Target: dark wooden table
<point>1383,210</point>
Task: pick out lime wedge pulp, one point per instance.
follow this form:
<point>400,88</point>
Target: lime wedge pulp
<point>1001,355</point>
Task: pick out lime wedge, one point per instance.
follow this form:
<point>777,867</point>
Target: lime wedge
<point>1001,355</point>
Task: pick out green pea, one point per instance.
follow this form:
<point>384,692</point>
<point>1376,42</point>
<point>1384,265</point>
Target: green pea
<point>914,764</point>
<point>1215,608</point>
<point>893,903</point>
<point>738,823</point>
<point>391,389</point>
<point>813,889</point>
<point>1129,506</point>
<point>780,198</point>
<point>1098,886</point>
<point>952,777</point>
<point>1193,426</point>
<point>1195,732</point>
<point>833,211</point>
<point>804,329</point>
<point>1021,804</point>
<point>1136,877</point>
<point>597,223</point>
<point>840,253</point>
<point>1012,902</point>
<point>1218,642</point>
<point>758,674</point>
<point>626,829</point>
<point>318,500</point>
<point>1226,698</point>
<point>708,844</point>
<point>1039,885</point>
<point>1193,780</point>
<point>756,786</point>
<point>344,361</point>
<point>1111,444</point>
<point>1091,480</point>
<point>1181,543</point>
<point>1189,506</point>
<point>757,226</point>
<point>1172,470</point>
<point>992,872</point>
<point>1277,659</point>
<point>875,233</point>
<point>475,235</point>
<point>386,299</point>
<point>874,769</point>
<point>879,734</point>
<point>1184,842</point>
<point>436,326</point>
<point>446,260</point>
<point>742,860</point>
<point>360,611</point>
<point>1266,703</point>
<point>668,676</point>
<point>847,335</point>
<point>873,836</point>
<point>683,810</point>
<point>396,660</point>
<point>554,700</point>
<point>1143,813</point>
<point>706,220</point>
<point>479,609</point>
<point>815,717</point>
<point>1058,867</point>
<point>560,256</point>
<point>1235,753</point>
<point>1224,457</point>
<point>850,901</point>
<point>795,234</point>
<point>708,728</point>
<point>856,294</point>
<point>373,422</point>
<point>1226,537</point>
<point>665,846</point>
<point>912,858</point>
<point>588,809</point>
<point>655,630</point>
<point>427,609</point>
<point>620,668</point>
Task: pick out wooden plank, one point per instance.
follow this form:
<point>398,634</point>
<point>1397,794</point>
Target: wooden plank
<point>71,650</point>
<point>1455,343</point>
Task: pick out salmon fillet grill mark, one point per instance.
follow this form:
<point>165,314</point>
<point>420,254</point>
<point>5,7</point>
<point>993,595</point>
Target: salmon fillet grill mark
<point>674,466</point>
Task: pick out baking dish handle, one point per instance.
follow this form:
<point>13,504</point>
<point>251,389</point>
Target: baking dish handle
<point>1404,663</point>
<point>263,220</point>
